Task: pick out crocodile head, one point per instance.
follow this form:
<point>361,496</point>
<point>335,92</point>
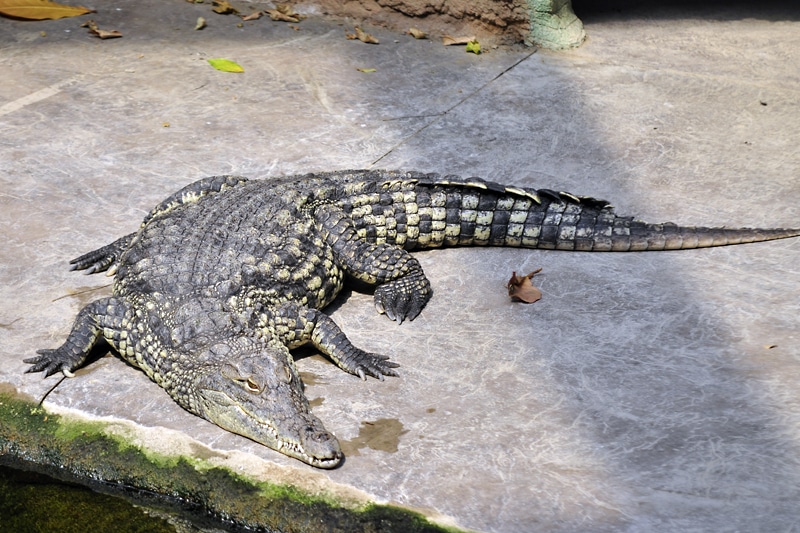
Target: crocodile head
<point>254,390</point>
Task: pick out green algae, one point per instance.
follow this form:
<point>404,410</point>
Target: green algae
<point>37,503</point>
<point>86,452</point>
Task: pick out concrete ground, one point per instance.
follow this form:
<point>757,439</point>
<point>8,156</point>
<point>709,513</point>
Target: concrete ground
<point>644,392</point>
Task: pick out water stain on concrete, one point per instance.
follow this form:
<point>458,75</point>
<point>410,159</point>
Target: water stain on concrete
<point>316,402</point>
<point>382,434</point>
<point>309,378</point>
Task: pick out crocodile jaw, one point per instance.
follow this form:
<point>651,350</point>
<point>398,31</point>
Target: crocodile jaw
<point>299,434</point>
<point>253,389</point>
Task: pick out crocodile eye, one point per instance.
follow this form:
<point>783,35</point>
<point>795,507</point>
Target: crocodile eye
<point>251,385</point>
<point>283,373</point>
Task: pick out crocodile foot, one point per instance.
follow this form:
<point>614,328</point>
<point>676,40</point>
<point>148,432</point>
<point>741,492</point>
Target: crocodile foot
<point>50,362</point>
<point>362,364</point>
<point>404,297</point>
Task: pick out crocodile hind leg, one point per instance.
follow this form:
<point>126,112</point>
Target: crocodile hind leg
<point>403,290</point>
<point>295,325</point>
<point>90,326</point>
<point>107,257</point>
<point>103,258</point>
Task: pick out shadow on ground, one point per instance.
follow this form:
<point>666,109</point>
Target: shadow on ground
<point>643,392</point>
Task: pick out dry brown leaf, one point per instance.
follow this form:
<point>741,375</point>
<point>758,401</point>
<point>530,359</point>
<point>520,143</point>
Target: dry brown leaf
<point>521,288</point>
<point>255,15</point>
<point>223,7</point>
<point>417,34</point>
<point>365,37</point>
<point>107,34</point>
<point>448,40</point>
<point>287,9</point>
<point>40,10</point>
<point>362,36</point>
<point>97,32</point>
<point>274,14</point>
<point>284,13</point>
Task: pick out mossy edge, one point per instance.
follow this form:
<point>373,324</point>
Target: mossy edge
<point>83,449</point>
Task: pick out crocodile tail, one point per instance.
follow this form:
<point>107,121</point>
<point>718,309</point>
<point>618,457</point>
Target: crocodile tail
<point>420,211</point>
<point>634,235</point>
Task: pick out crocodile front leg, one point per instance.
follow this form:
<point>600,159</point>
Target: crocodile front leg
<point>90,325</point>
<point>403,290</point>
<point>295,325</point>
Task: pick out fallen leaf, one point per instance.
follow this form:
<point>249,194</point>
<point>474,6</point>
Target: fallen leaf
<point>287,9</point>
<point>40,10</point>
<point>107,34</point>
<point>521,288</point>
<point>255,15</point>
<point>225,65</point>
<point>362,36</point>
<point>417,34</point>
<point>284,13</point>
<point>474,47</point>
<point>97,32</point>
<point>201,23</point>
<point>223,7</point>
<point>367,70</point>
<point>274,14</point>
<point>449,40</point>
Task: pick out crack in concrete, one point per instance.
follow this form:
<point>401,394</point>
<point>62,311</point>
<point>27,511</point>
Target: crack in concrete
<point>437,116</point>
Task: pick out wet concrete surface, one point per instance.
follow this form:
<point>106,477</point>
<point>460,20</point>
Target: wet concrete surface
<point>643,392</point>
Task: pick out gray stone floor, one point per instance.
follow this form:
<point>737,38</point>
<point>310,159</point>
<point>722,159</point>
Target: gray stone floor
<point>644,392</point>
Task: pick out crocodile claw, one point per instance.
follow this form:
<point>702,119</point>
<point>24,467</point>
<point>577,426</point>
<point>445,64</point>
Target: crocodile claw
<point>404,297</point>
<point>103,259</point>
<point>363,364</point>
<point>48,362</point>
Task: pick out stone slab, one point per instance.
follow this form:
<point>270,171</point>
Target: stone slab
<point>643,392</point>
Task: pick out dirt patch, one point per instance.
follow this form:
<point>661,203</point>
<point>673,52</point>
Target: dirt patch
<point>491,21</point>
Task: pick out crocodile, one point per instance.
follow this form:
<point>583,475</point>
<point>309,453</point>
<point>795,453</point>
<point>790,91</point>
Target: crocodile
<point>226,276</point>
